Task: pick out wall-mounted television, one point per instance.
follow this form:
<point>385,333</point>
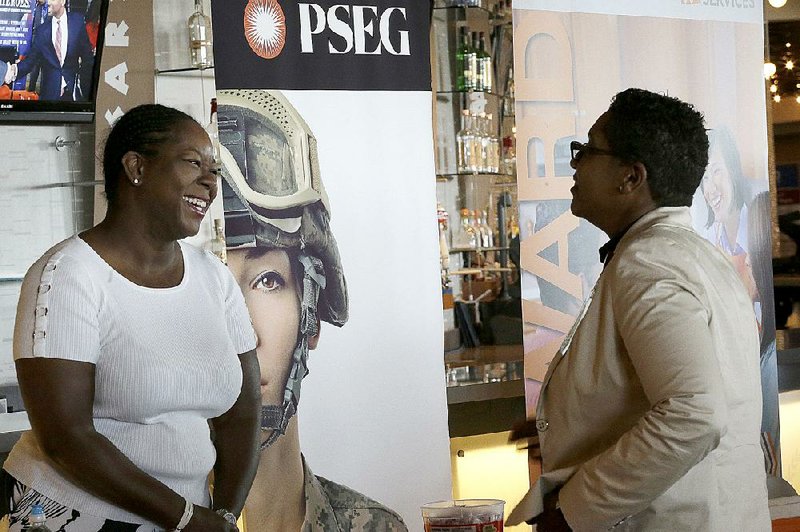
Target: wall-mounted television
<point>50,59</point>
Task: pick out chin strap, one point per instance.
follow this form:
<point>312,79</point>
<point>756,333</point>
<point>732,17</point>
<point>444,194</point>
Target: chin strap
<point>275,418</point>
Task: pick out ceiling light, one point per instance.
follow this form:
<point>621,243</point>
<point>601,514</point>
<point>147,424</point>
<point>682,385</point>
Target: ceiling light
<point>773,88</point>
<point>777,3</point>
<point>777,98</point>
<point>769,70</point>
<point>789,64</point>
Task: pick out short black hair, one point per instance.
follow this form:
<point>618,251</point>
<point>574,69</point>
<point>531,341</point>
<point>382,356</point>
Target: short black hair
<point>665,134</point>
<point>142,129</point>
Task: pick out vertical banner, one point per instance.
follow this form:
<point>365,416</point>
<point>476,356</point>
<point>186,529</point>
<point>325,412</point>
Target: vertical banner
<point>324,115</point>
<point>123,83</point>
<point>568,66</point>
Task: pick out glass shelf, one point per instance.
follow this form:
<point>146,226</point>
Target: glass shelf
<point>438,5</point>
<point>476,271</point>
<point>183,70</point>
<point>476,250</point>
<point>490,93</point>
<point>450,176</point>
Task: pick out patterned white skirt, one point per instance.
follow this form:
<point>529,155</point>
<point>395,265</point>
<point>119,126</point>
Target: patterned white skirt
<point>19,500</point>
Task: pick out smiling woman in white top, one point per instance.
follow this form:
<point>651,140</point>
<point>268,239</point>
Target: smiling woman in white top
<point>135,354</point>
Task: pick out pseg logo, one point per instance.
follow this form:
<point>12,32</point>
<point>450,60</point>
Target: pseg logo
<point>362,30</point>
<point>265,27</point>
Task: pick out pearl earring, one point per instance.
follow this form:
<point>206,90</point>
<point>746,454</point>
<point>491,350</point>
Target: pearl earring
<point>621,188</point>
<point>136,181</point>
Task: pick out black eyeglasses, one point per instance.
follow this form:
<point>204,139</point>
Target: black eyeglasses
<point>579,149</point>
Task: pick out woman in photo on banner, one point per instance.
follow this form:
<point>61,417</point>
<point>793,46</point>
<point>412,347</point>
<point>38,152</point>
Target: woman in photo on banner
<point>286,260</point>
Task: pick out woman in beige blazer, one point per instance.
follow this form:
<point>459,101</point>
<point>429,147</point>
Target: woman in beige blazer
<point>649,415</point>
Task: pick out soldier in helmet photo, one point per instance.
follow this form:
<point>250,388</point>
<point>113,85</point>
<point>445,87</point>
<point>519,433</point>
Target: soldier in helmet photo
<point>286,261</point>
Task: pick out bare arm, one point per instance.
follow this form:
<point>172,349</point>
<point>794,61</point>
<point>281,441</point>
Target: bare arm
<point>236,435</point>
<point>58,396</point>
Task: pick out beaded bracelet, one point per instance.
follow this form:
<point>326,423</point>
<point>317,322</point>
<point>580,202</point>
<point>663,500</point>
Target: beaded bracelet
<point>188,511</point>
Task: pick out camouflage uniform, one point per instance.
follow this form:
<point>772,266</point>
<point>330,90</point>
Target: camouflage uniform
<point>331,507</point>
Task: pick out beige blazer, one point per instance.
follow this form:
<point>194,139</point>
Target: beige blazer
<point>649,417</point>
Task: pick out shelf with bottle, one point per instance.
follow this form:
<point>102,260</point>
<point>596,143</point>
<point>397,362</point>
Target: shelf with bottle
<point>478,271</point>
<point>199,55</point>
<point>453,251</point>
<point>498,11</point>
<point>475,5</point>
<point>451,176</point>
<point>183,70</point>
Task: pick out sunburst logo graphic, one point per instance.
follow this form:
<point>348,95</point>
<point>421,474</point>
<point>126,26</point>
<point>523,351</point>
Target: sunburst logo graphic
<point>265,27</point>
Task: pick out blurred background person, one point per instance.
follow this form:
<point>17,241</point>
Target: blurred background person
<point>60,47</point>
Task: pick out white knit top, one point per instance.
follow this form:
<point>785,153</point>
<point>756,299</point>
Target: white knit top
<point>166,361</point>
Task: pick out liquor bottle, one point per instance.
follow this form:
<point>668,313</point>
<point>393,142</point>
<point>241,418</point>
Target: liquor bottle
<point>443,217</point>
<point>465,76</point>
<point>489,243</point>
<point>509,156</point>
<point>200,37</point>
<point>508,97</point>
<point>444,248</point>
<point>217,244</point>
<point>484,63</point>
<point>493,149</point>
<point>37,520</point>
<point>475,143</point>
<point>213,130</point>
<point>471,63</point>
<point>465,237</point>
<point>462,143</point>
<point>480,230</point>
<point>483,134</point>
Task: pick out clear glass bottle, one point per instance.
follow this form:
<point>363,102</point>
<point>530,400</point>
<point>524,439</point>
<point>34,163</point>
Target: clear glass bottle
<point>213,130</point>
<point>463,144</point>
<point>471,62</point>
<point>37,520</point>
<point>487,229</point>
<point>509,156</point>
<point>217,244</point>
<point>484,64</point>
<point>475,143</point>
<point>483,135</point>
<point>200,37</point>
<point>508,97</point>
<point>444,238</point>
<point>465,238</point>
<point>493,151</point>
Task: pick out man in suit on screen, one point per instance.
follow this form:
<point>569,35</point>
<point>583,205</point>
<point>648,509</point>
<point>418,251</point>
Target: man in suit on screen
<point>62,50</point>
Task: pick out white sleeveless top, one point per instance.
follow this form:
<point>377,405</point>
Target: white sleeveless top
<point>166,361</point>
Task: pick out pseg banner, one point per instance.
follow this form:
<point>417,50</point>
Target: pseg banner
<point>324,115</point>
<point>569,63</point>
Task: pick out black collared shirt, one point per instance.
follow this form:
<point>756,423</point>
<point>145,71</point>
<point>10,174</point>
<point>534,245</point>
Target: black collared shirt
<point>607,250</point>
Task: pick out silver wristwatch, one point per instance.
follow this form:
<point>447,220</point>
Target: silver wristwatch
<point>228,516</point>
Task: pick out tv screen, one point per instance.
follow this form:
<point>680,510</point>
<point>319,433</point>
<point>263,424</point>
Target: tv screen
<point>50,59</point>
